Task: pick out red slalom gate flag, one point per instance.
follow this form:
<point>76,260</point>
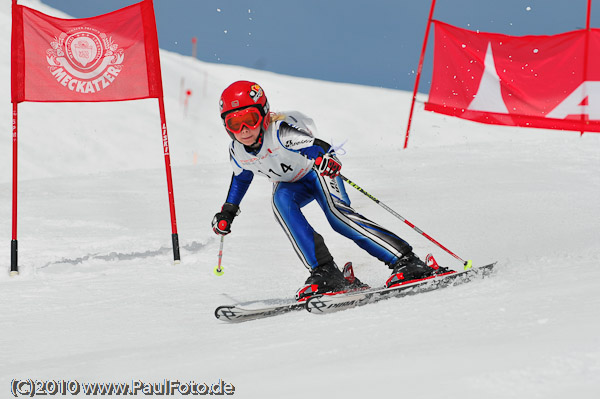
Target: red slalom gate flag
<point>110,57</point>
<point>550,82</point>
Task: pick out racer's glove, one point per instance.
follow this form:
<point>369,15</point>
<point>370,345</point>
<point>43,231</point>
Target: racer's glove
<point>328,165</point>
<point>222,221</point>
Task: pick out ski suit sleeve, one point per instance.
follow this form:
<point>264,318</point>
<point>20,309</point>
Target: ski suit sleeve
<point>319,148</point>
<point>238,187</point>
<point>240,181</point>
<point>299,140</point>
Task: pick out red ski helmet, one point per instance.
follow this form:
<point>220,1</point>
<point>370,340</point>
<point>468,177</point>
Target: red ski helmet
<point>243,94</point>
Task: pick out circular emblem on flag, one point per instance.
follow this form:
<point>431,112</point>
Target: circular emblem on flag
<point>84,60</point>
<point>83,49</point>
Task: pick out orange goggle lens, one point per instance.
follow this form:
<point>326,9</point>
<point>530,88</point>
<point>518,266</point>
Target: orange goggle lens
<point>235,121</point>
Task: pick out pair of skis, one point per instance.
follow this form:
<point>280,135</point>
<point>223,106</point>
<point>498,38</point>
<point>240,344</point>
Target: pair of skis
<point>322,304</point>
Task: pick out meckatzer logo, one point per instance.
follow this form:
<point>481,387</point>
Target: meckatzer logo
<point>84,60</point>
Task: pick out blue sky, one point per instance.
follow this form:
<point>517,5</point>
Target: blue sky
<point>369,42</point>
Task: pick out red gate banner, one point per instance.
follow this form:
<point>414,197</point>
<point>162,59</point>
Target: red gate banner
<point>110,57</point>
<point>550,82</point>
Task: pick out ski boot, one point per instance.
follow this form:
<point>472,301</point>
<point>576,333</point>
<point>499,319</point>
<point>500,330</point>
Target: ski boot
<point>327,278</point>
<point>409,268</point>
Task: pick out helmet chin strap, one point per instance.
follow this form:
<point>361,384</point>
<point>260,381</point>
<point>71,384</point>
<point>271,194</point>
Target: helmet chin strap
<point>259,139</point>
<point>257,143</point>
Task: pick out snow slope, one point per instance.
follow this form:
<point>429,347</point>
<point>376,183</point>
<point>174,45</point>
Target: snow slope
<point>99,299</point>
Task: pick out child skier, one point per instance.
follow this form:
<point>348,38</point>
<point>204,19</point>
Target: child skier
<point>302,168</point>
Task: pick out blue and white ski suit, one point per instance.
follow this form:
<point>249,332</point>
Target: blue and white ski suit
<point>286,157</point>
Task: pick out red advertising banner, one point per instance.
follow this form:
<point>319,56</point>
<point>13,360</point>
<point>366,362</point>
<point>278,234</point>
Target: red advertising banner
<point>110,57</point>
<point>550,82</point>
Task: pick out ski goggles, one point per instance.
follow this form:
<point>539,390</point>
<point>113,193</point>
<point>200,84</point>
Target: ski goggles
<point>249,117</point>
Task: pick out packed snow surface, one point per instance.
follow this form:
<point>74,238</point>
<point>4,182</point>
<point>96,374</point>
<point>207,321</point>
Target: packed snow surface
<point>99,299</point>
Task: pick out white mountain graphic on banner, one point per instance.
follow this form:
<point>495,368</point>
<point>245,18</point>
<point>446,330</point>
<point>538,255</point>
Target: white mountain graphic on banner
<point>489,93</point>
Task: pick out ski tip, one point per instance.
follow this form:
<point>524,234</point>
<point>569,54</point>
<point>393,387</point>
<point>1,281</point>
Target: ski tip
<point>468,264</point>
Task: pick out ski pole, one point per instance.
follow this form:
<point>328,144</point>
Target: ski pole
<point>219,269</point>
<point>467,264</point>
